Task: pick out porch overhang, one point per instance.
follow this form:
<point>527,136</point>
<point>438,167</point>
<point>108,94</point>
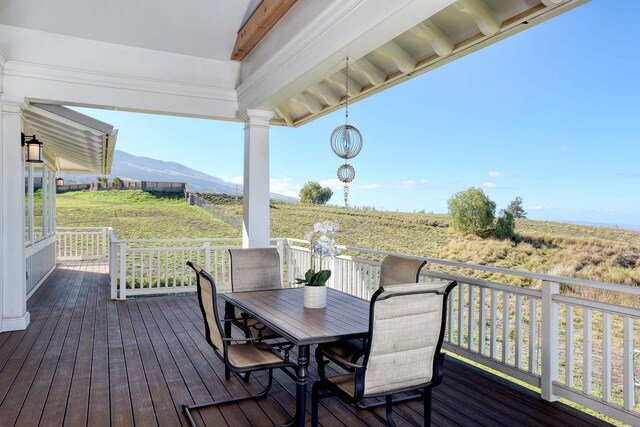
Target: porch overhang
<point>73,142</point>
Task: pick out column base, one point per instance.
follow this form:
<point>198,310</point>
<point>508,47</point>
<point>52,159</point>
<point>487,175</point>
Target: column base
<point>15,323</point>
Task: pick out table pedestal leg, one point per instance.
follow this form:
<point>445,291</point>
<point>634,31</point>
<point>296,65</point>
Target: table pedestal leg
<point>229,313</point>
<point>301,384</point>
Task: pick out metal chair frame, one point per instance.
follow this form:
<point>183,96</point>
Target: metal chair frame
<point>226,341</point>
<point>424,390</point>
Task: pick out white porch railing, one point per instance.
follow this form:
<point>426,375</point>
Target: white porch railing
<point>81,243</point>
<point>570,347</point>
<point>547,335</point>
<point>158,266</point>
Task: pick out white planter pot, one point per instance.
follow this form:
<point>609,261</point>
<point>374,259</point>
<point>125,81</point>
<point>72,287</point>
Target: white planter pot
<point>315,296</point>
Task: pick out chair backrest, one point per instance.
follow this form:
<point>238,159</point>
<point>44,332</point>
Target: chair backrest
<point>208,304</point>
<point>396,270</point>
<point>406,329</point>
<point>255,269</point>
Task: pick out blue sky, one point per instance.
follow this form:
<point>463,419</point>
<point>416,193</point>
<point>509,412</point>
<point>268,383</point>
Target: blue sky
<point>551,114</point>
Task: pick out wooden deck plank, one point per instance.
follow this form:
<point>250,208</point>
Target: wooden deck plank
<point>66,336</point>
<point>163,405</point>
<point>99,405</point>
<point>87,360</point>
<point>16,394</point>
<point>141,403</point>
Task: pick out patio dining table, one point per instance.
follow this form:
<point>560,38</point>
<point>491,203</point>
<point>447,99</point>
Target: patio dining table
<point>282,310</point>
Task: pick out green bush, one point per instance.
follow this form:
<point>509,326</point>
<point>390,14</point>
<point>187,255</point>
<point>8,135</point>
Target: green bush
<point>314,193</point>
<point>472,212</point>
<point>505,226</point>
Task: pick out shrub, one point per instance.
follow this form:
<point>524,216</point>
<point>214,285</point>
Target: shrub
<point>313,192</point>
<point>472,212</point>
<point>505,226</point>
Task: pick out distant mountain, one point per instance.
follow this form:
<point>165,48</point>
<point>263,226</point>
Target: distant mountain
<point>136,168</point>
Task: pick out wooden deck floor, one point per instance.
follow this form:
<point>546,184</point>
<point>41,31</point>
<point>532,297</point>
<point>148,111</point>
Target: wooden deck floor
<point>87,360</point>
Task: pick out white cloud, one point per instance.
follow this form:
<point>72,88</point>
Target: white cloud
<point>423,181</point>
<point>538,208</point>
<point>334,184</point>
<point>372,186</point>
<point>489,185</point>
<point>284,186</point>
<point>405,185</point>
<point>495,174</point>
<point>233,179</point>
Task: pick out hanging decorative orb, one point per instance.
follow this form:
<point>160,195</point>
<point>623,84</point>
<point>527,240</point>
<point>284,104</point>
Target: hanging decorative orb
<point>346,173</point>
<point>346,141</point>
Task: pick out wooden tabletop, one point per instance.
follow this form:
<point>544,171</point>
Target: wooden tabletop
<point>282,310</point>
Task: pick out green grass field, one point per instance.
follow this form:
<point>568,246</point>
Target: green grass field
<point>596,253</point>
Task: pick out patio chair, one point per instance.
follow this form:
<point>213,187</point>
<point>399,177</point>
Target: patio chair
<point>240,356</point>
<point>254,269</point>
<point>394,270</point>
<point>402,350</point>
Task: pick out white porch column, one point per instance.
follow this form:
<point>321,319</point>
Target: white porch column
<point>13,286</point>
<point>255,230</point>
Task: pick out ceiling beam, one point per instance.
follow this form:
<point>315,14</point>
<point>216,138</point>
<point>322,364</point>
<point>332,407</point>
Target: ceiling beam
<point>550,3</point>
<point>405,62</point>
<point>284,115</point>
<point>486,19</point>
<point>441,44</point>
<point>309,102</point>
<point>325,93</point>
<point>266,15</point>
<point>371,72</point>
<point>339,79</point>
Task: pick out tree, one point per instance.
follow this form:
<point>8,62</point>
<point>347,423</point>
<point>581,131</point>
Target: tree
<point>505,226</point>
<point>515,208</point>
<point>472,212</point>
<point>314,193</point>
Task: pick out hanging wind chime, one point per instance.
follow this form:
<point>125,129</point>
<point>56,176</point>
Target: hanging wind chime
<point>346,142</point>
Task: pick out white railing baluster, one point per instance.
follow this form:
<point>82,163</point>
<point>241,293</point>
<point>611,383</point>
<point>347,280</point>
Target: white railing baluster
<point>460,314</point>
<point>606,357</point>
<point>472,318</point>
<point>505,327</point>
<point>482,342</point>
<point>586,352</point>
<point>568,347</point>
<point>518,348</point>
<point>452,306</point>
<point>629,391</point>
<point>533,336</point>
<point>494,324</point>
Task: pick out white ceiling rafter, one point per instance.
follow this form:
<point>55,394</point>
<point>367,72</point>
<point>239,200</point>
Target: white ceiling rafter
<point>441,44</point>
<point>458,29</point>
<point>485,18</point>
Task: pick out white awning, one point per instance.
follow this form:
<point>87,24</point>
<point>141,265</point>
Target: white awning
<point>72,142</point>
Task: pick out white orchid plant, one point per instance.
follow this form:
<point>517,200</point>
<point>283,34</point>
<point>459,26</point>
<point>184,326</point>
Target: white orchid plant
<point>323,246</point>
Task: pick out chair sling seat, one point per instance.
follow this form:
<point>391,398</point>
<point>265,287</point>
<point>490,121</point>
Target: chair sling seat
<point>253,355</point>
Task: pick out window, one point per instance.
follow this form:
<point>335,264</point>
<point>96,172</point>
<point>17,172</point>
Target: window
<point>39,202</point>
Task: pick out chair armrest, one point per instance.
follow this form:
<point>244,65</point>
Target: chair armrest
<point>339,360</point>
<point>234,319</point>
<point>252,339</point>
